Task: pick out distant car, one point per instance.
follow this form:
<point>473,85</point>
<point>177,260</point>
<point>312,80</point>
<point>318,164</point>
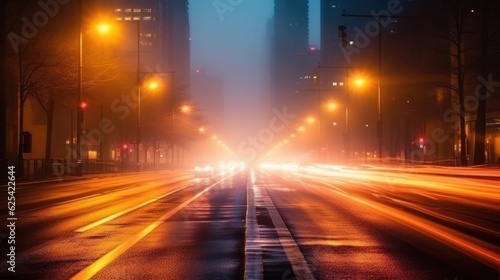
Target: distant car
<point>307,167</point>
<point>204,169</point>
<point>289,166</point>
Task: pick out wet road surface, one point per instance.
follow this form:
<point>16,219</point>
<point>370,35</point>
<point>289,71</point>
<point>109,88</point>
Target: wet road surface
<point>348,224</point>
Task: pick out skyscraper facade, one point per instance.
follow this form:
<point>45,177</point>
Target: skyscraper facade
<point>289,43</point>
<point>164,33</point>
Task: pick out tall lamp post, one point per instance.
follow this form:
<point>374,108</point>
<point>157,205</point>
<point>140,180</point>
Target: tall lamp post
<point>79,115</point>
<point>379,123</point>
<point>80,103</point>
<point>138,81</point>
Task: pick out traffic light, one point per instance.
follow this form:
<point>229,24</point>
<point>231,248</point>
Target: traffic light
<point>343,35</point>
<point>421,142</point>
<point>83,104</point>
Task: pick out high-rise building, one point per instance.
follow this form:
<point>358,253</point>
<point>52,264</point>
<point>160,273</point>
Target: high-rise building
<point>289,43</point>
<point>164,33</point>
<point>329,22</point>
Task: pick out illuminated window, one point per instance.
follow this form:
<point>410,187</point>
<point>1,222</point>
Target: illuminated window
<point>127,10</point>
<point>127,18</point>
<point>334,84</point>
<point>341,83</point>
<point>118,10</point>
<point>137,18</point>
<point>147,18</point>
<point>119,18</point>
<point>137,10</point>
<point>147,10</point>
<point>147,35</point>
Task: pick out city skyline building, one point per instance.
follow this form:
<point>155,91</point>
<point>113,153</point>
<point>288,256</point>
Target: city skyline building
<point>289,42</point>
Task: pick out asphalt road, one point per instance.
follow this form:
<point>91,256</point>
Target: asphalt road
<point>257,224</point>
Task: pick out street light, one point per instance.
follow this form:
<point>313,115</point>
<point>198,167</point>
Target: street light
<point>357,82</point>
<point>138,82</point>
<point>152,85</point>
<point>81,104</point>
<point>332,106</point>
<point>185,108</point>
<point>79,116</point>
<point>379,122</point>
<point>103,28</point>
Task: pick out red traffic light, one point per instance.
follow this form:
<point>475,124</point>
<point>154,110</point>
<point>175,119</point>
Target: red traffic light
<point>125,146</point>
<point>83,104</point>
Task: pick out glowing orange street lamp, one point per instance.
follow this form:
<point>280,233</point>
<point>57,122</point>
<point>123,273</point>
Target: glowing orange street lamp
<point>359,82</point>
<point>103,28</point>
<point>185,108</point>
<point>332,106</point>
<point>152,85</point>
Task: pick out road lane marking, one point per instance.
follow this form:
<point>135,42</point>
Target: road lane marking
<point>123,212</point>
<point>300,267</point>
<point>105,260</point>
<point>254,268</point>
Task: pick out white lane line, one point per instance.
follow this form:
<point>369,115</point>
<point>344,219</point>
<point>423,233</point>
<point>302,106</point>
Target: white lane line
<point>299,265</point>
<point>105,260</point>
<point>253,252</point>
<point>123,212</point>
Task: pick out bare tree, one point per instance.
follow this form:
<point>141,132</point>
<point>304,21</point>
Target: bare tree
<point>32,63</point>
<point>452,29</point>
<point>489,53</point>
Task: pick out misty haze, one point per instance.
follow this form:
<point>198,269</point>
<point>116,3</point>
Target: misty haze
<point>250,139</point>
